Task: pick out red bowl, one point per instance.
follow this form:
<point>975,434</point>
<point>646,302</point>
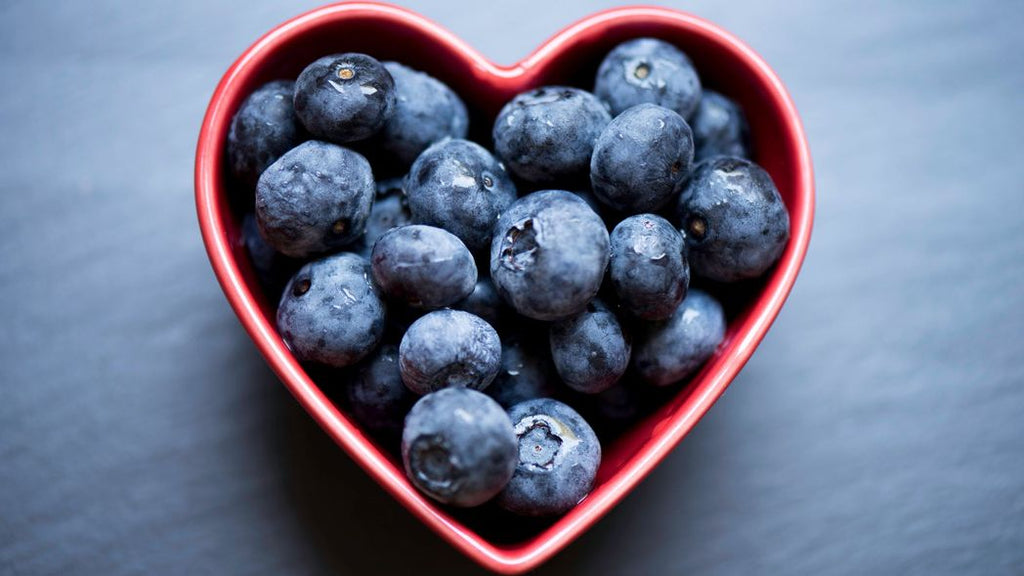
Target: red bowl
<point>570,57</point>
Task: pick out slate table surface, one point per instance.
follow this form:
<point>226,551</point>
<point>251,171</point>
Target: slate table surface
<point>879,428</point>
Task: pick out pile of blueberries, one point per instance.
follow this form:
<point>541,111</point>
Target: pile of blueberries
<point>472,298</point>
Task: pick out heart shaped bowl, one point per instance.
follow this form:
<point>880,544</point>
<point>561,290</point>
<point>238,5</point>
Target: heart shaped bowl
<point>570,57</point>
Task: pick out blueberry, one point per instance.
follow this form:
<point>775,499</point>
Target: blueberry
<point>388,211</point>
<point>376,395</point>
<point>264,128</point>
<point>449,349</point>
<point>549,254</point>
<point>735,222</point>
<point>423,266</point>
<point>648,268</point>
<point>426,111</point>
<point>616,407</point>
<point>331,312</point>
<point>547,135</point>
<point>666,352</point>
<point>719,128</point>
<point>647,70</point>
<point>485,302</point>
<point>314,199</point>
<point>457,185</point>
<point>526,373</point>
<point>558,459</point>
<point>458,447</point>
<point>344,97</point>
<point>590,350</point>
<point>273,269</point>
<point>641,159</point>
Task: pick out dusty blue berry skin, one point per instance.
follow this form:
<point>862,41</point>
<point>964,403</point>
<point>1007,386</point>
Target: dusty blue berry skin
<point>388,211</point>
<point>426,111</point>
<point>344,97</point>
<point>558,459</point>
<point>273,269</point>
<point>376,395</point>
<point>549,255</point>
<point>526,373</point>
<point>423,266</point>
<point>719,128</point>
<point>314,199</point>
<point>331,312</point>
<point>485,302</point>
<point>647,70</point>
<point>449,349</point>
<point>735,222</point>
<point>546,135</point>
<point>648,268</point>
<point>263,129</point>
<point>459,186</point>
<point>641,159</point>
<point>671,350</point>
<point>591,349</point>
<point>458,447</point>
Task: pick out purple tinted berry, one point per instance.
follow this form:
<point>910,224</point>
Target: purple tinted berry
<point>590,350</point>
<point>547,135</point>
<point>264,128</point>
<point>669,351</point>
<point>735,222</point>
<point>457,185</point>
<point>647,70</point>
<point>449,349</point>
<point>376,394</point>
<point>331,312</point>
<point>549,255</point>
<point>719,128</point>
<point>641,159</point>
<point>648,268</point>
<point>314,199</point>
<point>344,97</point>
<point>559,455</point>
<point>426,111</point>
<point>423,266</point>
<point>458,447</point>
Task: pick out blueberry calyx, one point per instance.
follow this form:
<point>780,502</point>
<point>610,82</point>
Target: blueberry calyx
<point>434,464</point>
<point>519,248</point>
<point>301,287</point>
<point>542,441</point>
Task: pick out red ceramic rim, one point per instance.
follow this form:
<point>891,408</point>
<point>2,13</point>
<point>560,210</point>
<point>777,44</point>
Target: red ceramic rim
<point>705,389</point>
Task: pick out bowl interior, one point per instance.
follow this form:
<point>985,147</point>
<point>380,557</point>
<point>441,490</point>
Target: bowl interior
<point>571,58</point>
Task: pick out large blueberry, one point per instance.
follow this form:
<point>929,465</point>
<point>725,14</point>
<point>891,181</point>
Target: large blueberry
<point>344,97</point>
<point>426,111</point>
<point>423,266</point>
<point>719,128</point>
<point>264,128</point>
<point>647,70</point>
<point>458,447</point>
<point>314,199</point>
<point>449,349</point>
<point>547,135</point>
<point>590,350</point>
<point>376,394</point>
<point>641,159</point>
<point>331,312</point>
<point>526,373</point>
<point>457,185</point>
<point>549,254</point>
<point>648,268</point>
<point>668,351</point>
<point>558,459</point>
<point>388,211</point>
<point>485,302</point>
<point>735,222</point>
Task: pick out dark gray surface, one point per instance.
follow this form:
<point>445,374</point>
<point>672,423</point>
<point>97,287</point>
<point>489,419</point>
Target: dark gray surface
<point>878,429</point>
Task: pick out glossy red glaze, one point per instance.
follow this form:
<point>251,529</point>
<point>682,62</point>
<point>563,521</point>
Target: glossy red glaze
<point>570,57</point>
